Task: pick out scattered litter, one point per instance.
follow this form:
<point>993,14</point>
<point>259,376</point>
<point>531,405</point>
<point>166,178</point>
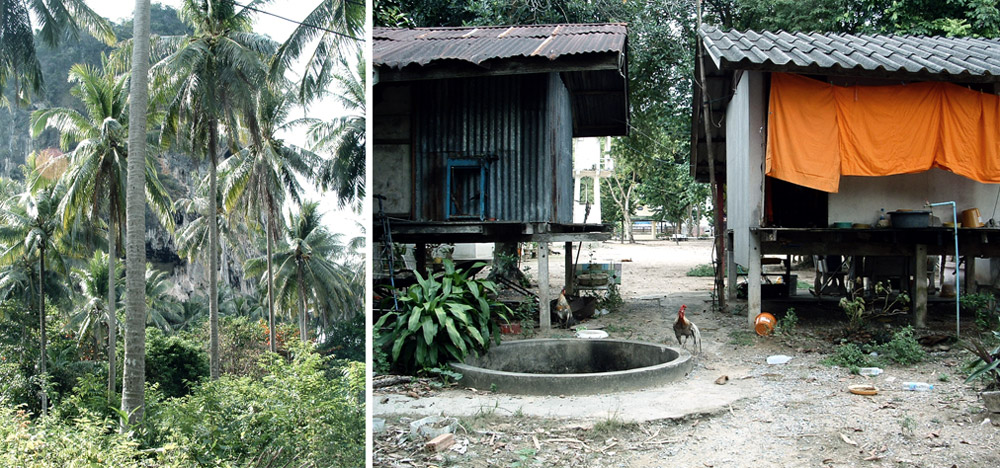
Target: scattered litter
<point>870,371</point>
<point>441,442</point>
<point>848,440</point>
<point>917,386</point>
<point>378,425</point>
<point>433,426</point>
<point>778,359</point>
<point>591,334</point>
<point>722,380</point>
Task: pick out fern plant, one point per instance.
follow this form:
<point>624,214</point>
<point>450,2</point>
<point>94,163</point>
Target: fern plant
<point>444,317</point>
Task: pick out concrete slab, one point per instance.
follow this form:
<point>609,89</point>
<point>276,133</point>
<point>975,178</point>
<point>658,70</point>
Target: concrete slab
<point>695,396</point>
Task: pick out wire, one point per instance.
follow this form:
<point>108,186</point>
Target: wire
<point>321,28</point>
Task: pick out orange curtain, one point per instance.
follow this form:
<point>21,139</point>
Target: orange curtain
<point>818,132</point>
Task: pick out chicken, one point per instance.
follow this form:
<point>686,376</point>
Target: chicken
<point>563,309</point>
<point>685,328</point>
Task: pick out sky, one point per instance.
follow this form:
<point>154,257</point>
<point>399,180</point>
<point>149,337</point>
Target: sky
<point>336,219</point>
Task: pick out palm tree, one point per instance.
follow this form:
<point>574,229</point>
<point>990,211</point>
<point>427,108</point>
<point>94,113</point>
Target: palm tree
<point>344,138</point>
<point>56,20</point>
<point>259,176</point>
<point>93,282</point>
<point>30,227</point>
<point>134,374</point>
<point>216,72</point>
<point>341,24</point>
<point>95,178</point>
<point>307,268</point>
<point>164,309</point>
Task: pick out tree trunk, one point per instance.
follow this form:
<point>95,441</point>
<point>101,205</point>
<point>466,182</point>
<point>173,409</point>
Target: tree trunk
<point>215,367</point>
<point>303,333</point>
<point>112,322</point>
<point>134,373</point>
<point>272,334</point>
<point>41,322</point>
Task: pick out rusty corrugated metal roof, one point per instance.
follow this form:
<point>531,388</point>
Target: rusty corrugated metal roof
<point>397,48</point>
<point>810,52</point>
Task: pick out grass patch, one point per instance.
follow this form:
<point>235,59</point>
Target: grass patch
<point>741,337</point>
<point>701,271</point>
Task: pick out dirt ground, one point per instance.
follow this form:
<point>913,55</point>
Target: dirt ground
<point>790,415</point>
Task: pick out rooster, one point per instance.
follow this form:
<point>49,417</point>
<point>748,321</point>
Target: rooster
<point>685,328</point>
<point>563,309</point>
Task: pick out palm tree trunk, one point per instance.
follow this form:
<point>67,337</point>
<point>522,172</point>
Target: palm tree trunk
<point>41,322</point>
<point>302,306</point>
<point>270,289</point>
<point>215,367</point>
<point>134,374</point>
<point>112,322</point>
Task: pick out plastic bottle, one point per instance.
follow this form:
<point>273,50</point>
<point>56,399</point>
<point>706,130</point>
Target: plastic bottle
<point>917,386</point>
<point>872,371</point>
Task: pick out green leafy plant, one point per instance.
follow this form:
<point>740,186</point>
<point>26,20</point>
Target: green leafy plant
<point>443,317</point>
<point>986,364</point>
<point>786,325</point>
<point>903,348</point>
<point>883,303</point>
<point>704,270</point>
<point>851,356</point>
<point>612,300</point>
<point>985,308</point>
<point>446,375</point>
<point>173,362</point>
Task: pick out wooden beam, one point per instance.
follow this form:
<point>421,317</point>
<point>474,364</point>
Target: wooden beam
<point>731,273</point>
<point>920,288</point>
<point>569,268</point>
<point>444,69</point>
<point>544,315</point>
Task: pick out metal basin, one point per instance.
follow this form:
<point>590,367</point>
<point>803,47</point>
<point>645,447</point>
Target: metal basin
<point>574,366</point>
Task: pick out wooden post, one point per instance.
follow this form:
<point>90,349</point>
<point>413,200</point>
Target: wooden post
<point>570,280</point>
<point>420,258</point>
<point>753,280</point>
<point>544,316</point>
<point>731,274</point>
<point>920,288</point>
<point>970,275</point>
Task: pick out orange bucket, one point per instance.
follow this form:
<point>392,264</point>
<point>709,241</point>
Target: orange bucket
<point>971,218</point>
<point>764,323</point>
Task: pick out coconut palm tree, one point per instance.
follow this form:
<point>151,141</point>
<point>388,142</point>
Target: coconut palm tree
<point>95,177</point>
<point>92,282</point>
<point>30,227</point>
<point>344,138</point>
<point>342,23</point>
<point>261,176</point>
<point>164,310</point>
<point>306,265</point>
<point>216,72</point>
<point>134,373</point>
<point>56,20</point>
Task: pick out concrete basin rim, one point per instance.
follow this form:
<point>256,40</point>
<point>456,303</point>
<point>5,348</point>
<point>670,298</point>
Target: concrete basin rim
<point>683,356</point>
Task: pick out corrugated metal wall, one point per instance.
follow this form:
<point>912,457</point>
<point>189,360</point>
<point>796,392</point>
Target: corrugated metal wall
<point>504,119</point>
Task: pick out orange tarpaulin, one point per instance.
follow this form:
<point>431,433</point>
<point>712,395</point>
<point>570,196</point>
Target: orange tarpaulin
<point>818,132</point>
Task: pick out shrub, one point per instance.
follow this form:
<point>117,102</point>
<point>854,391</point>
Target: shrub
<point>985,308</point>
<point>903,348</point>
<point>444,317</point>
<point>176,364</point>
<point>293,415</point>
<point>345,339</point>
<point>786,325</point>
<point>851,356</point>
<point>15,388</point>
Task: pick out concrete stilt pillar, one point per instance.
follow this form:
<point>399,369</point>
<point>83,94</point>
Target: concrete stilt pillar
<point>920,288</point>
<point>544,317</point>
<point>753,280</point>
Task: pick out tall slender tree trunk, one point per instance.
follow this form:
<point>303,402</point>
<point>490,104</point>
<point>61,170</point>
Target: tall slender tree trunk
<point>215,367</point>
<point>112,322</point>
<point>270,289</point>
<point>134,374</point>
<point>42,338</point>
<point>303,335</point>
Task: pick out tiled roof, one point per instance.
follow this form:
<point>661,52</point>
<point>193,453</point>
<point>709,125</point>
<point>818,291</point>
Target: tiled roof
<point>397,48</point>
<point>811,52</point>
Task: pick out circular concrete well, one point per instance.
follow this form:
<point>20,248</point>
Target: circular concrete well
<point>574,366</point>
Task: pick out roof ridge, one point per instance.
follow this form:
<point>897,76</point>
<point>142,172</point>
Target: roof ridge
<point>459,28</point>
